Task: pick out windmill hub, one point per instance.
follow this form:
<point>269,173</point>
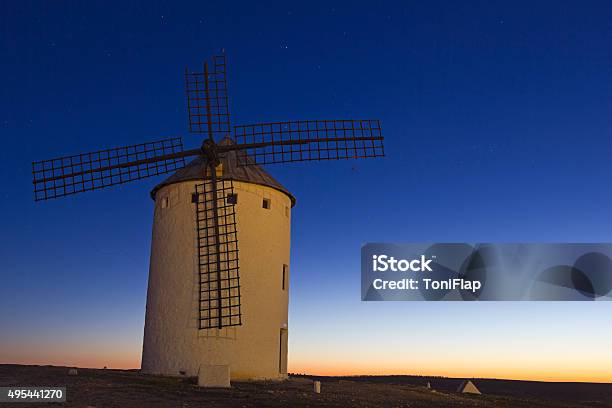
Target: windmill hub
<point>210,151</point>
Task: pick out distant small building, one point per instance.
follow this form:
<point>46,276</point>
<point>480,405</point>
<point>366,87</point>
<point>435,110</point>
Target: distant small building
<point>468,387</point>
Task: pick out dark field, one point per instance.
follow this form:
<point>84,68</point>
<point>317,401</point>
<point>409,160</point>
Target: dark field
<point>120,388</point>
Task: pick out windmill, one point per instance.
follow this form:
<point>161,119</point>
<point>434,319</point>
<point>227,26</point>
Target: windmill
<point>196,321</point>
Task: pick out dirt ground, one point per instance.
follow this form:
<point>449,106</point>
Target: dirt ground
<point>129,388</point>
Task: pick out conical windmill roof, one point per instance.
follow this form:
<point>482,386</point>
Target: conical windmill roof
<point>196,169</point>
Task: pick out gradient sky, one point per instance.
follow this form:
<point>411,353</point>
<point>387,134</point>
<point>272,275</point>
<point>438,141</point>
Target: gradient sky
<point>497,118</point>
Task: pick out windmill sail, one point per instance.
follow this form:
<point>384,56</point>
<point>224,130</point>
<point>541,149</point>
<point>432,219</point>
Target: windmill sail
<point>207,99</point>
<point>219,303</point>
<point>103,168</point>
<point>307,140</point>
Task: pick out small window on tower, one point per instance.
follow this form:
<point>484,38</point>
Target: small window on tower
<point>266,203</point>
<point>164,202</point>
<point>285,273</point>
<point>232,198</point>
<point>286,211</point>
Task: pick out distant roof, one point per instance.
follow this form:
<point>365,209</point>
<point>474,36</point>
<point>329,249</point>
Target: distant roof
<point>468,387</point>
<point>196,169</point>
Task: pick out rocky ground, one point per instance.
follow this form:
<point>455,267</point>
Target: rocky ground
<point>129,388</point>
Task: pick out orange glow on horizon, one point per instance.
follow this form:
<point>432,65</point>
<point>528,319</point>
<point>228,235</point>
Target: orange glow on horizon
<point>112,363</point>
<point>95,356</point>
<point>550,374</point>
<point>528,373</point>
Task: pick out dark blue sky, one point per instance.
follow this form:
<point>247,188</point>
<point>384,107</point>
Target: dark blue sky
<point>496,117</point>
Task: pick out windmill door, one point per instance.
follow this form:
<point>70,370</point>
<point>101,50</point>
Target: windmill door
<point>282,361</point>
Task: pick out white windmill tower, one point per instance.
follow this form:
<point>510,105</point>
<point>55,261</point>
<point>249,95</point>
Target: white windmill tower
<point>206,315</point>
<point>173,341</point>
